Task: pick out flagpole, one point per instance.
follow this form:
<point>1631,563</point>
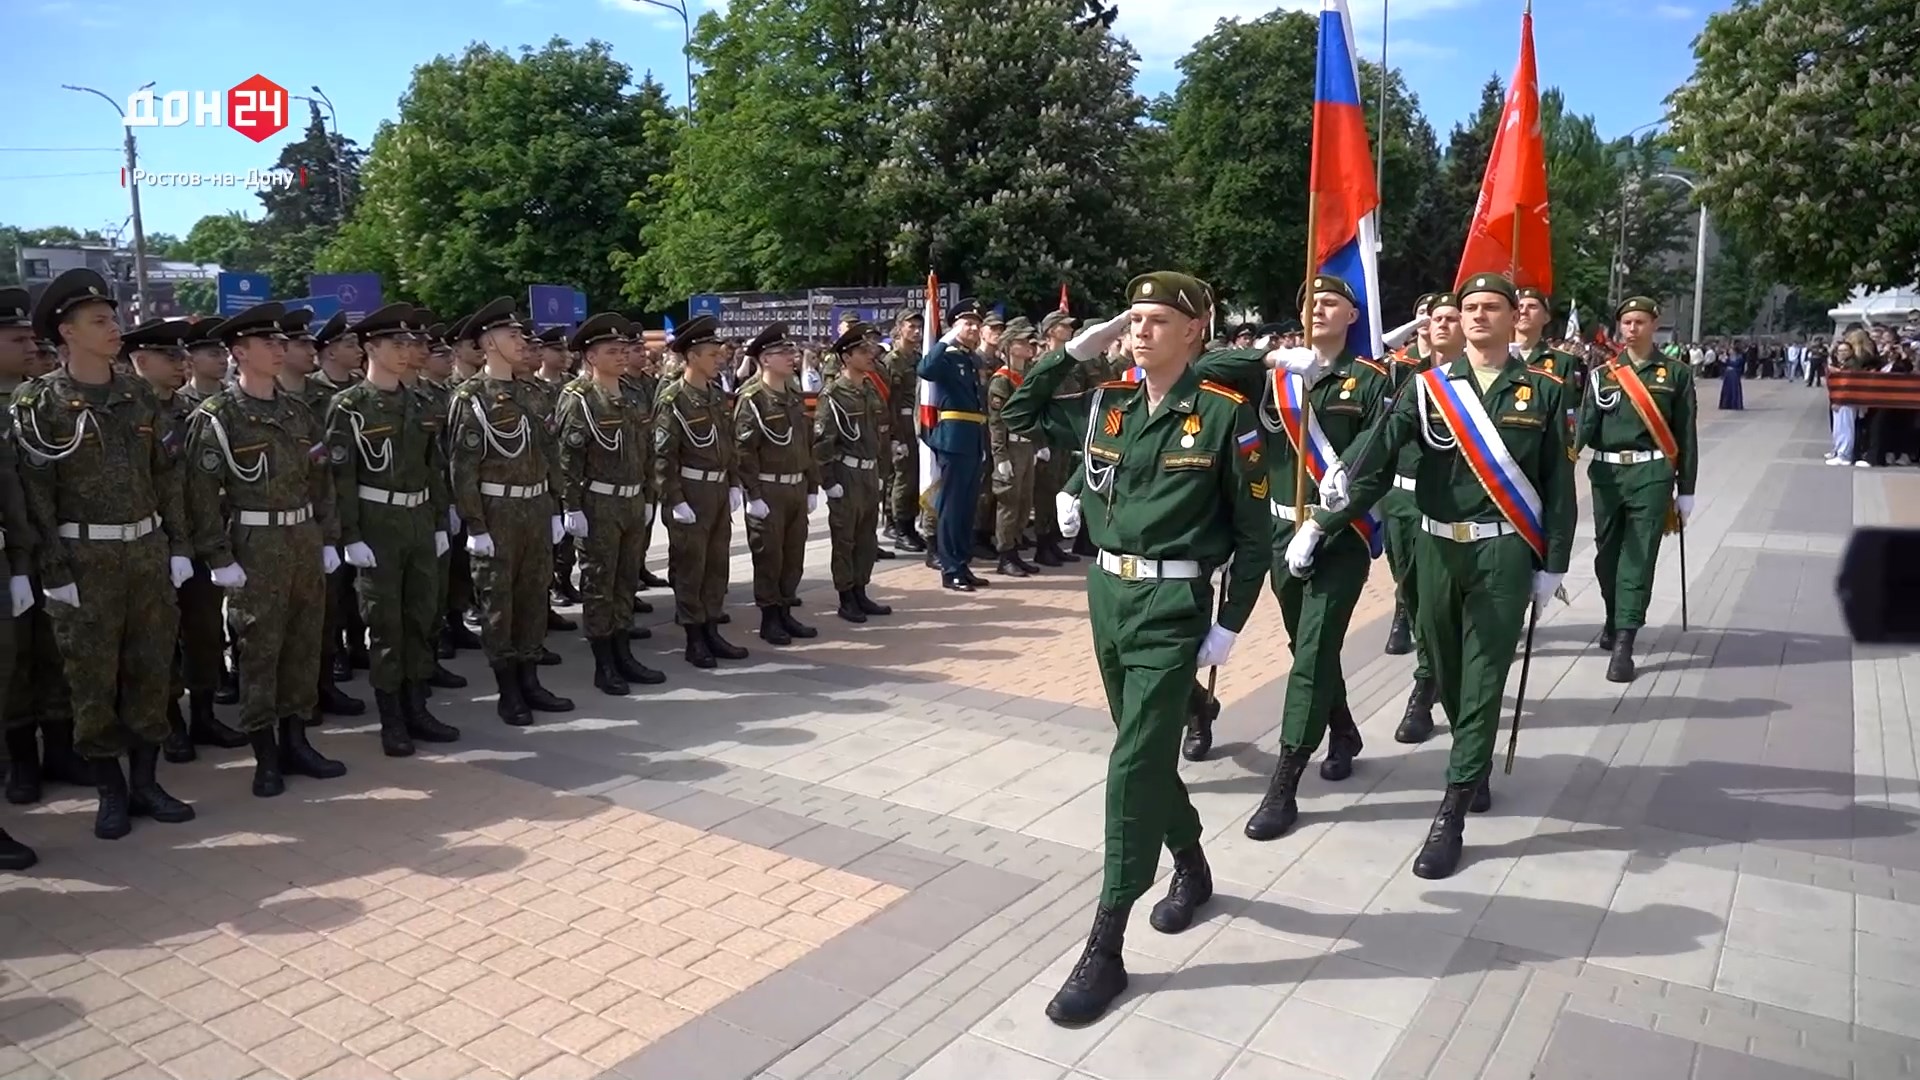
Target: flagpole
<point>1380,135</point>
<point>1306,327</point>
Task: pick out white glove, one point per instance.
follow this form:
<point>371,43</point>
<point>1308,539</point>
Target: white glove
<point>735,497</point>
<point>440,544</point>
<point>682,513</point>
<point>1042,454</point>
<point>181,570</point>
<point>1067,508</point>
<point>813,501</point>
<point>556,528</point>
<point>22,589</point>
<point>480,545</point>
<point>758,508</point>
<point>653,512</point>
<point>1298,360</point>
<point>834,492</point>
<point>1402,334</point>
<point>1300,549</point>
<point>1092,340</point>
<point>65,594</point>
<point>1684,504</point>
<point>360,555</point>
<point>1003,470</point>
<point>329,559</point>
<point>230,576</point>
<point>1217,646</point>
<point>576,523</point>
<point>453,521</point>
<point>1333,489</point>
<point>1544,586</point>
<point>899,451</point>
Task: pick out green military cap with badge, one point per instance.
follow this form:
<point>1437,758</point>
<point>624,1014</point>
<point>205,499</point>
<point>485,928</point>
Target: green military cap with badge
<point>1530,292</point>
<point>203,334</point>
<point>700,330</point>
<point>392,321</point>
<point>1331,283</point>
<point>1055,318</point>
<point>297,324</point>
<point>331,330</point>
<point>908,315</point>
<point>1638,303</point>
<point>775,338</point>
<point>260,320</point>
<point>604,327</point>
<point>1442,300</point>
<point>70,291</point>
<point>553,336</point>
<point>994,318</point>
<point>1182,292</point>
<point>497,314</point>
<point>1488,283</point>
<point>158,335</point>
<point>16,308</point>
<point>1425,304</point>
<point>1019,328</point>
<point>853,337</point>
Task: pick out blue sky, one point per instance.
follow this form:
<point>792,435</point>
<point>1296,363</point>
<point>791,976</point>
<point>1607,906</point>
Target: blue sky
<point>1616,59</point>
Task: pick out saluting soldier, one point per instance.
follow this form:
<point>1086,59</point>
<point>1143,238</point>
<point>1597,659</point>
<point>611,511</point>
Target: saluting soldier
<point>1014,454</point>
<point>959,437</point>
<point>605,466</point>
<point>1645,462</point>
<point>390,485</point>
<point>781,480</point>
<point>260,499</point>
<point>695,473</point>
<point>1183,453</point>
<point>103,491</point>
<point>848,432</point>
<point>1484,423</point>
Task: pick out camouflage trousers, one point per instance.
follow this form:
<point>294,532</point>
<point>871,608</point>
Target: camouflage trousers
<point>512,584</point>
<point>610,560</point>
<point>697,554</point>
<point>38,694</point>
<point>117,646</point>
<point>851,521</point>
<point>779,545</point>
<point>273,618</point>
<point>400,595</point>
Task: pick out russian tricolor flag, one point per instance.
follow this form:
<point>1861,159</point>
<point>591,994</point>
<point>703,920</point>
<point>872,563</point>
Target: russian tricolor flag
<point>1346,202</point>
<point>927,398</point>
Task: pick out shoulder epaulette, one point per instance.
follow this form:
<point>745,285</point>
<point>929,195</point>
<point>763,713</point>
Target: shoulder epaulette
<point>1123,384</point>
<point>1365,362</point>
<point>1544,373</point>
<point>1230,394</point>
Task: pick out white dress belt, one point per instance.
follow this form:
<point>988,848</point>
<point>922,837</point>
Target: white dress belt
<point>1404,483</point>
<point>273,518</point>
<point>1467,532</point>
<point>858,462</point>
<point>1135,568</point>
<point>619,491</point>
<point>782,478</point>
<point>1628,457</point>
<point>513,491</point>
<point>710,476</point>
<point>73,530</point>
<point>404,499</point>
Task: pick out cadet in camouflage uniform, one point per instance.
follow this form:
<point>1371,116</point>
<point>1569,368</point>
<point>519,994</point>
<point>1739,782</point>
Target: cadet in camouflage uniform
<point>207,364</point>
<point>389,478</point>
<point>642,380</point>
<point>553,372</point>
<point>782,483</point>
<point>102,489</point>
<point>341,358</point>
<point>848,432</point>
<point>694,473</point>
<point>1014,454</point>
<point>901,369</point>
<point>23,750</point>
<point>605,467</point>
<point>259,495</point>
<point>1051,471</point>
<point>505,476</point>
<point>457,595</point>
<point>436,394</point>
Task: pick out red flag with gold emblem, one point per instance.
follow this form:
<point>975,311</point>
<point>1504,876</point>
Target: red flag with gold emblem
<point>1510,233</point>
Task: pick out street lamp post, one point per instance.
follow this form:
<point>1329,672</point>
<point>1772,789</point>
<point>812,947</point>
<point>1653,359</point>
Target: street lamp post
<point>1699,249</point>
<point>1616,271</point>
<point>133,192</point>
<point>679,7</point>
<point>339,171</point>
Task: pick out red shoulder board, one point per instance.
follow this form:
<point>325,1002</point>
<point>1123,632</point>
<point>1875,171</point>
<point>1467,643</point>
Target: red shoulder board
<point>1545,374</point>
<point>1232,395</point>
<point>1369,363</point>
<point>1122,384</point>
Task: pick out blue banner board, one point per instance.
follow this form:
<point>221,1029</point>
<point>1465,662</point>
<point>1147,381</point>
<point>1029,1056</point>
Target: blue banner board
<point>359,294</point>
<point>704,304</point>
<point>579,307</point>
<point>550,306</point>
<point>241,291</point>
<point>323,308</point>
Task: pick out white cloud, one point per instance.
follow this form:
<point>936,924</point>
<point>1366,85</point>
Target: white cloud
<point>1163,30</point>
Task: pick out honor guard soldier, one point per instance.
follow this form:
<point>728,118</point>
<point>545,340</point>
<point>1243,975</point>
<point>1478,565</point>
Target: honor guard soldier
<point>1184,452</point>
<point>260,498</point>
<point>553,373</point>
<point>436,393</point>
<point>1484,423</point>
<point>604,465</point>
<point>459,592</point>
<point>1645,460</point>
<point>780,479</point>
<point>303,356</point>
<point>694,472</point>
<point>103,492</point>
<point>505,475</point>
<point>900,369</point>
<point>1402,515</point>
<point>1014,454</point>
<point>959,438</point>
<point>390,489</point>
<point>847,437</point>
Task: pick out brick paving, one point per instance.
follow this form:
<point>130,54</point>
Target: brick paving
<point>875,855</point>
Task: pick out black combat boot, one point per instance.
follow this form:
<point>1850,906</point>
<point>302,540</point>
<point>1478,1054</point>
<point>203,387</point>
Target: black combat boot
<point>337,702</point>
<point>563,589</point>
<point>1013,566</point>
<point>299,758</point>
<point>1067,554</point>
<point>443,645</point>
<point>23,765</point>
<point>14,855</point>
<point>394,740</point>
<point>537,697</point>
<point>1416,724</point>
<point>340,667</point>
<point>631,669</point>
<point>1620,668</point>
<point>1202,710</point>
<point>794,627</point>
<point>641,606</point>
<point>1278,809</point>
<point>549,658</point>
<point>1440,855</point>
<point>1343,744</point>
<point>177,746</point>
<point>58,761</point>
<point>868,605</point>
<point>1099,977</point>
<point>206,729</point>
<point>557,621</point>
<point>651,580</point>
<point>1606,638</point>
<point>1190,887</point>
<point>459,633</point>
<point>722,648</point>
<point>422,725</point>
<point>909,537</point>
<point>444,679</point>
<point>850,607</point>
<point>1482,796</point>
<point>1045,553</point>
<point>227,691</point>
<point>512,707</point>
<point>699,652</point>
<point>772,630</point>
<point>267,781</point>
<point>606,677</point>
<point>112,820</point>
<point>145,796</point>
<point>637,633</point>
<point>1400,634</point>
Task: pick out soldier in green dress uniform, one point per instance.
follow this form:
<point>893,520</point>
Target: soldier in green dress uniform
<point>1404,534</point>
<point>696,476</point>
<point>780,478</point>
<point>1050,473</point>
<point>1015,456</point>
<point>23,749</point>
<point>341,358</point>
<point>900,367</point>
<point>1640,417</point>
<point>849,428</point>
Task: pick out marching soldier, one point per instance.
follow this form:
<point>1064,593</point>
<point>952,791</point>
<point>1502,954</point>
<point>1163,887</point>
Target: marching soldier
<point>604,467</point>
<point>847,437</point>
<point>694,472</point>
<point>259,495</point>
<point>781,480</point>
<point>505,475</point>
<point>959,437</point>
<point>1484,423</point>
<point>390,486</point>
<point>102,490</point>
<point>1529,332</point>
<point>1402,515</point>
<point>900,368</point>
<point>1014,454</point>
<point>1645,461</point>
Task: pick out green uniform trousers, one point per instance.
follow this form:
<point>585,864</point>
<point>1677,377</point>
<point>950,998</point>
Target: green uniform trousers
<point>610,560</point>
<point>38,694</point>
<point>698,554</point>
<point>987,507</point>
<point>1404,537</point>
<point>1013,496</point>
<point>779,544</point>
<point>203,635</point>
<point>1473,603</point>
<point>903,487</point>
<point>400,595</point>
<point>273,620</point>
<point>1629,520</point>
<point>1316,610</point>
<point>851,521</point>
<point>1049,477</point>
<point>1146,639</point>
<point>458,591</point>
<point>512,584</point>
<point>117,646</point>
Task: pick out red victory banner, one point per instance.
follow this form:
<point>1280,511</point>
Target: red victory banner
<point>1874,389</point>
<point>1510,233</point>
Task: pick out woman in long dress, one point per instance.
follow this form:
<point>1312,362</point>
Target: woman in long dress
<point>1731,395</point>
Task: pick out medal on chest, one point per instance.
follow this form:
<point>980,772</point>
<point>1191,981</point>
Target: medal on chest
<point>1523,398</point>
<point>1190,427</point>
<point>1111,423</point>
<point>1346,388</point>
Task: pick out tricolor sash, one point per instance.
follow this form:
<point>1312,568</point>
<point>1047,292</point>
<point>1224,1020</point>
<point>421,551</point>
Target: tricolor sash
<point>1649,410</point>
<point>1492,464</point>
<point>1290,394</point>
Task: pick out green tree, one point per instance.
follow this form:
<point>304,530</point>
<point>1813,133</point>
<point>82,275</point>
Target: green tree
<point>197,297</point>
<point>160,245</point>
<point>1583,180</point>
<point>228,239</point>
<point>1654,244</point>
<point>302,218</point>
<point>505,171</point>
<point>1799,120</point>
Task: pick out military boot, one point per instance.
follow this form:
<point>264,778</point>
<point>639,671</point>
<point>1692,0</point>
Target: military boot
<point>564,590</point>
<point>549,658</point>
<point>422,725</point>
<point>336,702</point>
<point>394,740</point>
<point>444,679</point>
<point>1482,796</point>
<point>794,627</point>
<point>1012,565</point>
<point>14,855</point>
<point>443,645</point>
<point>512,708</point>
<point>1440,855</point>
<point>177,746</point>
<point>340,667</point>
<point>1400,634</point>
<point>58,761</point>
<point>23,765</point>
<point>227,690</point>
<point>1278,808</point>
<point>557,621</point>
<point>1202,710</point>
<point>1045,553</point>
<point>606,677</point>
<point>299,758</point>
<point>868,605</point>
<point>722,648</point>
<point>699,653</point>
<point>1190,887</point>
<point>909,537</point>
<point>1099,977</point>
<point>145,796</point>
<point>850,607</point>
<point>1620,668</point>
<point>651,580</point>
<point>772,630</point>
<point>111,820</point>
<point>1416,724</point>
<point>267,781</point>
<point>460,634</point>
<point>207,729</point>
<point>1606,638</point>
<point>537,697</point>
<point>1343,745</point>
<point>631,669</point>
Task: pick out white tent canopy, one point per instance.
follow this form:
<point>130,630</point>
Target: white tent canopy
<point>1892,307</point>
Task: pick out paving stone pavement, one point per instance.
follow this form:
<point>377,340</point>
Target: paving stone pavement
<point>876,854</point>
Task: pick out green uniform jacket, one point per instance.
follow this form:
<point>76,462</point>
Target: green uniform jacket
<point>21,537</point>
<point>901,370</point>
<point>489,444</point>
<point>1618,426</point>
<point>999,389</point>
<point>245,453</point>
<point>603,437</point>
<point>691,429</point>
<point>400,432</point>
<point>1401,368</point>
<point>849,422</point>
<point>762,418</point>
<point>1528,408</point>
